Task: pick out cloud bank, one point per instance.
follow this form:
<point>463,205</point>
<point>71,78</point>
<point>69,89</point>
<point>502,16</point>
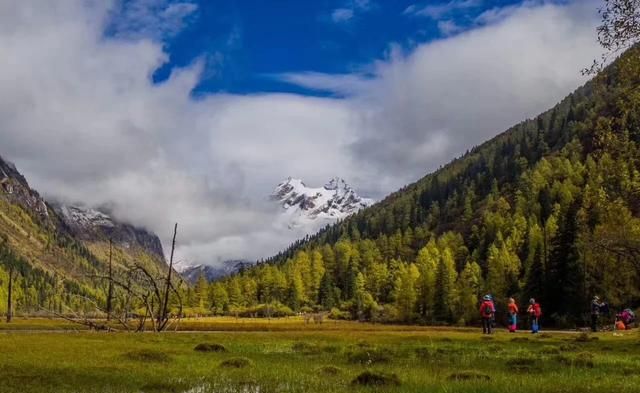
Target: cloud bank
<point>82,118</point>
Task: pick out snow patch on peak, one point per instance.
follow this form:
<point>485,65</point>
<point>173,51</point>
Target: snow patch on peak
<point>85,217</point>
<point>315,207</point>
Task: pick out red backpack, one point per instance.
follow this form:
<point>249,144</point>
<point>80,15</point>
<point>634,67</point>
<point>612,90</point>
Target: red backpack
<point>536,310</point>
<point>487,308</point>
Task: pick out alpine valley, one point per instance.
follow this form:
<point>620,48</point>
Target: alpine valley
<point>549,209</point>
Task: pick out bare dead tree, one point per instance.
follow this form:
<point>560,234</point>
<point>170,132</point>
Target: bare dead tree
<point>619,30</point>
<point>162,318</point>
<point>10,294</point>
<point>110,290</point>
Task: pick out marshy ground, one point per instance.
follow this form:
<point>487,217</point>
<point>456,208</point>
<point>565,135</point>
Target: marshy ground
<point>289,356</point>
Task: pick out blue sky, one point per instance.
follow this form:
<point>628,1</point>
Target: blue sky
<point>192,112</point>
<point>245,43</point>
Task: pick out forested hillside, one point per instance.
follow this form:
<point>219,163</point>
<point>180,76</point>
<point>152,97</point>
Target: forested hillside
<point>549,209</point>
<point>54,268</point>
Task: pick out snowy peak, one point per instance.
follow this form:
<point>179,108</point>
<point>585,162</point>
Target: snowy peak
<point>84,218</point>
<point>90,224</point>
<point>212,273</point>
<point>335,200</point>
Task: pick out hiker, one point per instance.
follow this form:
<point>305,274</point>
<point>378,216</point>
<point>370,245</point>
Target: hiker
<point>487,311</point>
<point>624,319</point>
<point>513,315</point>
<point>596,310</point>
<point>534,312</point>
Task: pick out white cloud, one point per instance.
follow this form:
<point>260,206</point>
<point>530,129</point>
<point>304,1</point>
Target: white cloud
<point>448,27</point>
<point>340,15</point>
<point>350,9</point>
<point>81,117</point>
<point>157,19</point>
<point>437,11</point>
<point>344,85</point>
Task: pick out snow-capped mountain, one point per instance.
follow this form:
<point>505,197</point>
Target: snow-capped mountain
<point>211,273</point>
<point>91,224</point>
<point>316,207</point>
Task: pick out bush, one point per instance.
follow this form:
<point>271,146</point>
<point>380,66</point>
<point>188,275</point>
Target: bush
<point>339,315</point>
<point>371,378</point>
<point>468,376</point>
<point>236,363</point>
<point>385,314</point>
<point>206,347</point>
<point>272,310</point>
<point>147,355</point>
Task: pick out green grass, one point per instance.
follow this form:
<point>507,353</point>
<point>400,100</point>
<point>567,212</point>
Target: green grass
<point>335,360</point>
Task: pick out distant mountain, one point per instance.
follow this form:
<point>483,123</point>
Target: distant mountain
<point>57,251</point>
<point>15,189</point>
<point>315,207</point>
<point>90,224</point>
<point>211,273</point>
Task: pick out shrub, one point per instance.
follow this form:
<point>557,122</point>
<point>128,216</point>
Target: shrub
<point>273,310</point>
<point>236,363</point>
<point>339,315</point>
<point>371,378</point>
<point>147,355</point>
<point>468,376</point>
<point>385,314</point>
<point>207,347</point>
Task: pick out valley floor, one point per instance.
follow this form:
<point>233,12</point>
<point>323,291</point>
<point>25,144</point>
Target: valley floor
<point>309,358</point>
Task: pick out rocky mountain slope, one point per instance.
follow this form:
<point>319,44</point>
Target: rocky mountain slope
<point>59,252</point>
<point>212,273</point>
<point>93,225</point>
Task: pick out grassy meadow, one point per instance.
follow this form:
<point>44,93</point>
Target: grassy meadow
<point>342,357</point>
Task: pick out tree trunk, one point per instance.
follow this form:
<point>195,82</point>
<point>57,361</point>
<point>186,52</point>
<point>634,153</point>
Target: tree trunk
<point>110,293</point>
<point>162,318</point>
<point>9,297</point>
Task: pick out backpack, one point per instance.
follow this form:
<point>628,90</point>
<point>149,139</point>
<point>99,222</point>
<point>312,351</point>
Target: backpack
<point>487,309</point>
<point>537,310</point>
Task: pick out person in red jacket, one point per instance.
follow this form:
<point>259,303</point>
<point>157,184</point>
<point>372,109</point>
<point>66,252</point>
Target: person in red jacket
<point>487,312</point>
<point>535,312</point>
